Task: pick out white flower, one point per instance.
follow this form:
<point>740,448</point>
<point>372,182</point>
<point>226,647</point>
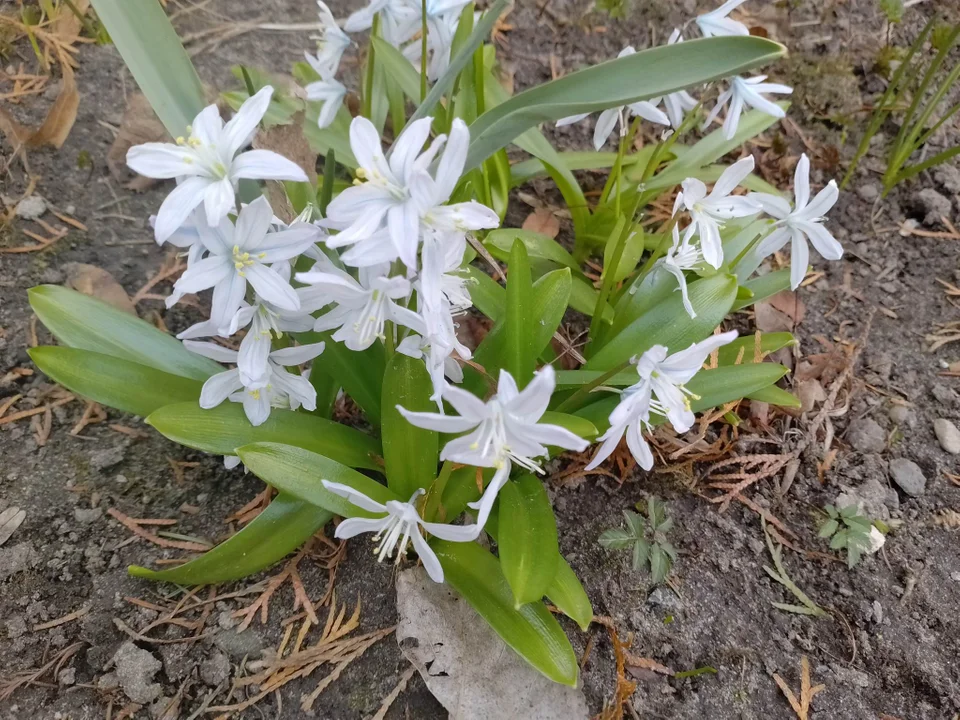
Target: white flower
<point>504,430</point>
<point>278,388</point>
<point>241,254</point>
<point>746,92</point>
<point>681,256</point>
<point>647,109</point>
<point>716,23</point>
<point>708,212</point>
<point>438,357</point>
<point>399,20</point>
<point>400,195</point>
<point>328,90</point>
<point>443,17</point>
<point>660,390</point>
<point>331,43</point>
<point>364,307</point>
<point>876,540</point>
<point>187,236</point>
<point>399,526</point>
<point>208,166</point>
<point>676,103</point>
<point>441,275</point>
<point>804,221</point>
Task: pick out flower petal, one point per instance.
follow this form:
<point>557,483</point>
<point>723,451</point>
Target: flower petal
<point>211,350</point>
<point>161,160</point>
<point>239,131</point>
<point>801,182</point>
<point>354,496</point>
<point>799,259</point>
<point>297,355</point>
<point>605,125</point>
<point>177,206</point>
<point>351,527</point>
<point>219,387</point>
<point>732,177</point>
<point>485,504</point>
<point>428,557</point>
<point>218,198</point>
<point>405,150</point>
<point>822,239</point>
<point>271,287</point>
<point>437,422</point>
<point>266,165</point>
<point>204,274</point>
<point>253,222</point>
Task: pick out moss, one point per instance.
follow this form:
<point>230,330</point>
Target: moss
<point>824,88</point>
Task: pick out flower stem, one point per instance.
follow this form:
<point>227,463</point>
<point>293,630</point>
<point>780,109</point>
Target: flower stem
<point>431,503</point>
<point>423,50</point>
<point>573,402</point>
<point>367,108</point>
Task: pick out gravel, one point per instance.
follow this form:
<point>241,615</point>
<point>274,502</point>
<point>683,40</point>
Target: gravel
<point>866,436</point>
<point>31,207</point>
<point>908,476</point>
<point>948,435</point>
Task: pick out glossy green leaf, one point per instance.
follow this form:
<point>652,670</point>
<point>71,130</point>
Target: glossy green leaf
<point>360,373</point>
<point>154,56</point>
<point>519,357</point>
<point>776,396</point>
<point>646,74</point>
<point>769,343</point>
<point>281,528</point>
<point>657,285</point>
<point>567,593</point>
<point>527,539</point>
<point>119,384</point>
<point>763,287</point>
<point>410,453</point>
<point>500,244</point>
<point>487,294</point>
<point>221,430</point>
<point>668,324</point>
<point>335,136</point>
<point>531,631</point>
<point>83,322</point>
<point>577,425</point>
<point>299,472</point>
<point>398,68</point>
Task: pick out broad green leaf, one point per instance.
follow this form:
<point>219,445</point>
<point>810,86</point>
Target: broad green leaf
<point>360,373</point>
<point>500,244</point>
<point>281,528</point>
<point>636,300</point>
<point>117,383</point>
<point>531,631</point>
<point>299,472</point>
<point>646,74</point>
<point>583,298</point>
<point>409,452</point>
<point>527,170</point>
<point>567,593</point>
<point>86,323</point>
<point>633,248</point>
<point>775,396</point>
<point>527,539</point>
<point>519,357</point>
<point>769,343</point>
<point>668,324</point>
<point>763,287</point>
<point>154,56</point>
<point>659,564</point>
<point>398,68</point>
<point>487,294</point>
<point>221,430</point>
<point>461,489</point>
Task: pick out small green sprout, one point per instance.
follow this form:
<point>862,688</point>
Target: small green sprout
<point>848,530</point>
<point>647,537</point>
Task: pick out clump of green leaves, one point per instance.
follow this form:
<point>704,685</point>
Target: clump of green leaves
<point>617,9</point>
<point>848,530</point>
<point>893,9</point>
<point>647,539</point>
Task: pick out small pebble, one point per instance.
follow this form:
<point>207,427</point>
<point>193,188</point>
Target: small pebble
<point>908,476</point>
<point>948,435</point>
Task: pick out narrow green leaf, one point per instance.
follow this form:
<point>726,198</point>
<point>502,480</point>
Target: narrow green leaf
<point>531,631</point>
<point>500,244</point>
<point>399,69</point>
<point>410,453</point>
<point>221,430</point>
<point>763,287</point>
<point>567,593</point>
<point>769,343</point>
<point>152,52</point>
<point>299,472</point>
<point>360,373</point>
<point>577,425</point>
<point>487,294</point>
<point>775,396</point>
<point>519,355</point>
<point>523,172</point>
<point>119,384</point>
<point>659,564</point>
<point>281,528</point>
<point>527,539</point>
<point>86,323</point>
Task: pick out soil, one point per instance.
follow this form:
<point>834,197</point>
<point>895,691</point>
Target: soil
<point>891,644</point>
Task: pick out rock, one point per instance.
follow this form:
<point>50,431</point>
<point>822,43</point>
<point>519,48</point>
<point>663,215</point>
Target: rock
<point>31,207</point>
<point>16,627</point>
<point>106,459</point>
<point>215,669</point>
<point>948,435</point>
<point>865,435</point>
<point>86,516</point>
<point>16,559</point>
<point>946,396</point>
<point>238,645</point>
<point>871,498</point>
<point>67,676</point>
<point>932,205</point>
<point>665,598</point>
<point>902,416</point>
<point>908,475</point>
<point>949,178</point>
<point>135,669</point>
<point>868,192</point>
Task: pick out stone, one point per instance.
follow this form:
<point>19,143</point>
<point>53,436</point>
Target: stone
<point>868,192</point>
<point>135,668</point>
<point>902,416</point>
<point>107,458</point>
<point>931,205</point>
<point>665,598</point>
<point>215,669</point>
<point>944,395</point>
<point>908,476</point>
<point>31,207</point>
<point>87,516</point>
<point>238,646</point>
<point>948,435</point>
<point>16,627</point>
<point>949,178</point>
<point>865,435</point>
<point>17,559</point>
<point>67,676</point>
<point>871,498</point>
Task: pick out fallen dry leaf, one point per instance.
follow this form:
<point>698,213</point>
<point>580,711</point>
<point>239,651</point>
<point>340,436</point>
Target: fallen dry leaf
<point>97,282</point>
<point>290,142</point>
<point>790,304</point>
<point>811,393</point>
<point>10,520</point>
<point>138,125</point>
<point>771,319</point>
<point>61,116</point>
<point>542,221</point>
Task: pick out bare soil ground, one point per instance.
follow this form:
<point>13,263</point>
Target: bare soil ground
<point>890,647</point>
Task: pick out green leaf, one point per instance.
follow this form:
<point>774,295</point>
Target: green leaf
<point>839,540</point>
<point>829,528</point>
<point>500,244</point>
<point>641,554</point>
<point>83,322</point>
<point>360,373</point>
<point>567,593</point>
<point>775,396</point>
<point>646,74</point>
<point>659,564</point>
<point>635,523</point>
<point>281,528</point>
<point>616,539</point>
<point>527,539</point>
<point>119,384</point>
<point>221,430</point>
<point>519,356</point>
<point>763,287</point>
<point>531,630</point>
<point>298,472</point>
<point>577,425</point>
<point>667,323</point>
<point>152,52</point>
<point>409,452</point>
<point>486,293</point>
<point>283,106</point>
<point>335,136</point>
<point>523,172</point>
<point>400,70</point>
<point>769,343</point>
<point>461,489</point>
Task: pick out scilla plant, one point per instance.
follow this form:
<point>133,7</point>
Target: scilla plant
<point>364,272</point>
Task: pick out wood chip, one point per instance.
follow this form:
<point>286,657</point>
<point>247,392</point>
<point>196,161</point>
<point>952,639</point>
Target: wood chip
<point>10,520</point>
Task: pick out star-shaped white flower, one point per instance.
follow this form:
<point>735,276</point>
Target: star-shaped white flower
<point>708,212</point>
<point>278,388</point>
<point>208,166</point>
<point>331,43</point>
<point>399,20</point>
<point>443,17</point>
<point>400,525</point>
<point>242,253</point>
<point>660,390</point>
<point>803,221</point>
<point>505,430</point>
<point>364,307</point>
<point>716,23</point>
<point>746,92</point>
<point>327,90</point>
<point>680,257</point>
<point>608,119</point>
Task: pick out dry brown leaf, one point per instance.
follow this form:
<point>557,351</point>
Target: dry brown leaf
<point>771,319</point>
<point>10,520</point>
<point>790,304</point>
<point>800,706</point>
<point>139,125</point>
<point>542,221</point>
<point>97,282</point>
<point>811,393</point>
<point>289,141</point>
<point>61,116</point>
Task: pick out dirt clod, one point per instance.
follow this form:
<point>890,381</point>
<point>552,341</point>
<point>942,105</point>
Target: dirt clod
<point>866,436</point>
<point>20,557</point>
<point>31,207</point>
<point>215,669</point>
<point>135,669</point>
<point>931,205</point>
